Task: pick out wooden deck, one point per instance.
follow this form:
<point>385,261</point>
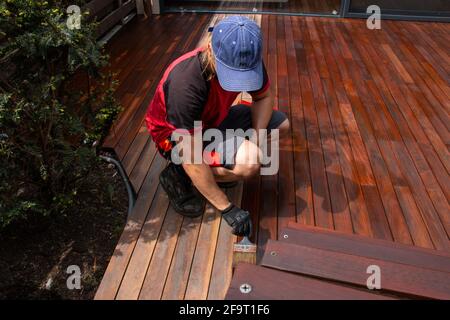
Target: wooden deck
<point>370,115</point>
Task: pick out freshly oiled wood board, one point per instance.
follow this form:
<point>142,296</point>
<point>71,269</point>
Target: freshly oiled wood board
<point>277,285</point>
<point>286,184</point>
<point>366,247</point>
<point>352,269</point>
<point>381,242</point>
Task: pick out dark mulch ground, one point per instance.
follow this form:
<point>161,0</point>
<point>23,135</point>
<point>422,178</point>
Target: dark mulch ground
<point>34,255</point>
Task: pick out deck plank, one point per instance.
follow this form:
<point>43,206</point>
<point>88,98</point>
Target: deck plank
<point>268,284</point>
<point>199,278</point>
<point>268,209</point>
<point>222,271</point>
<point>302,176</point>
<point>286,184</point>
<point>366,247</point>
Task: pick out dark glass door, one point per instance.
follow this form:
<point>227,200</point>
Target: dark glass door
<point>319,7</point>
<point>430,8</point>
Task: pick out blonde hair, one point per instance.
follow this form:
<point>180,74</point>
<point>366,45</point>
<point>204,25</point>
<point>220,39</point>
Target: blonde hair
<point>207,59</point>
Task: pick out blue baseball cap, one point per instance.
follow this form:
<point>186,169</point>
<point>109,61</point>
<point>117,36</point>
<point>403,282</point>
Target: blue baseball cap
<point>237,48</point>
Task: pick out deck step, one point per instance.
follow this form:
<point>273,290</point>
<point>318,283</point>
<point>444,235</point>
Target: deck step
<point>366,247</point>
<point>315,263</point>
<point>268,283</point>
<point>404,270</point>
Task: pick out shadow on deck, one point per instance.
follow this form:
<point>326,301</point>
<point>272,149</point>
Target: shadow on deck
<point>368,153</point>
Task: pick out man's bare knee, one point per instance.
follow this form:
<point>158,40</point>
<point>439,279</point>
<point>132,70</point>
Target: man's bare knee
<point>245,171</point>
<point>247,160</point>
<point>248,154</point>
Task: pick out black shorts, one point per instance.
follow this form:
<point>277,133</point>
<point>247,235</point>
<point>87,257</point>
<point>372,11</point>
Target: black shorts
<point>239,117</point>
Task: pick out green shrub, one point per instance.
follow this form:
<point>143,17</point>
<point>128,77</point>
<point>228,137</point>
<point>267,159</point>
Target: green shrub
<point>55,101</point>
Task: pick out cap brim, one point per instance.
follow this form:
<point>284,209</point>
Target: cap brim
<point>237,80</point>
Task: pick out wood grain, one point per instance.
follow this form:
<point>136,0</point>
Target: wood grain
<point>337,266</point>
<point>269,284</point>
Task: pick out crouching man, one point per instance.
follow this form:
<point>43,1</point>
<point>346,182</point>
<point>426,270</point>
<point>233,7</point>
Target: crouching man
<point>201,86</point>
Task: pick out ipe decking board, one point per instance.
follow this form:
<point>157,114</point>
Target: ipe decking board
<point>272,284</point>
<point>366,247</point>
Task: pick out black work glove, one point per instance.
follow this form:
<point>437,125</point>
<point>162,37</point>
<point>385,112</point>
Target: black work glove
<point>239,220</point>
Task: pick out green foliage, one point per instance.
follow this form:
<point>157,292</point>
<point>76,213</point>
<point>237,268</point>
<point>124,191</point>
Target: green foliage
<point>54,103</point>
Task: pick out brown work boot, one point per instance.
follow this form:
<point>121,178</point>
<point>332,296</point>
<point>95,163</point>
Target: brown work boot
<point>184,198</point>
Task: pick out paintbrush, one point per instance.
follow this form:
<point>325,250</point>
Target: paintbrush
<point>244,251</point>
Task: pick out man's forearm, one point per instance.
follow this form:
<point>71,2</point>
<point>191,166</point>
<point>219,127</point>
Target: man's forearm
<point>261,112</point>
<point>203,179</point>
